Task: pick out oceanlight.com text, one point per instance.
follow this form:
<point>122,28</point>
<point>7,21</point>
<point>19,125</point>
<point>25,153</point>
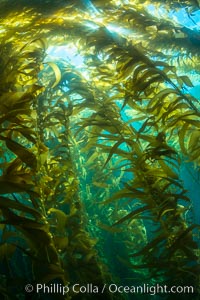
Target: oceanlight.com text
<point>111,288</point>
<point>151,289</point>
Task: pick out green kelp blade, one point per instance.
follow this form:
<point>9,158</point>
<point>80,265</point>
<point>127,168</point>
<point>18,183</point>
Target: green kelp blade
<point>180,238</point>
<point>6,250</point>
<point>11,115</point>
<point>23,153</point>
<point>60,216</point>
<point>17,178</point>
<point>8,187</point>
<point>149,246</point>
<point>11,204</point>
<point>114,150</point>
<point>109,228</point>
<point>142,266</point>
<point>186,80</point>
<point>194,141</point>
<point>167,170</point>
<point>57,73</point>
<point>132,214</point>
<point>124,193</point>
<point>61,243</point>
<point>52,271</point>
<point>27,133</point>
<point>37,233</point>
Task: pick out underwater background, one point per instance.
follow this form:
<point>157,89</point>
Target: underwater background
<point>99,149</point>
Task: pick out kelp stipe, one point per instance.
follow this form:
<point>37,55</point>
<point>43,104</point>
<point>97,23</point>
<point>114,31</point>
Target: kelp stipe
<point>66,215</point>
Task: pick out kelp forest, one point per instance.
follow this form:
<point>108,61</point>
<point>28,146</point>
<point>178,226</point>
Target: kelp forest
<point>100,149</point>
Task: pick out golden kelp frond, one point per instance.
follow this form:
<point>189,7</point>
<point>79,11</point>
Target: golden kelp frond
<point>173,5</point>
<point>61,219</point>
<point>186,63</point>
<point>57,73</point>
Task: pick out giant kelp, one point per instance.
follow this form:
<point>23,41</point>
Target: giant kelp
<point>33,175</point>
<point>22,209</point>
<point>73,168</point>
